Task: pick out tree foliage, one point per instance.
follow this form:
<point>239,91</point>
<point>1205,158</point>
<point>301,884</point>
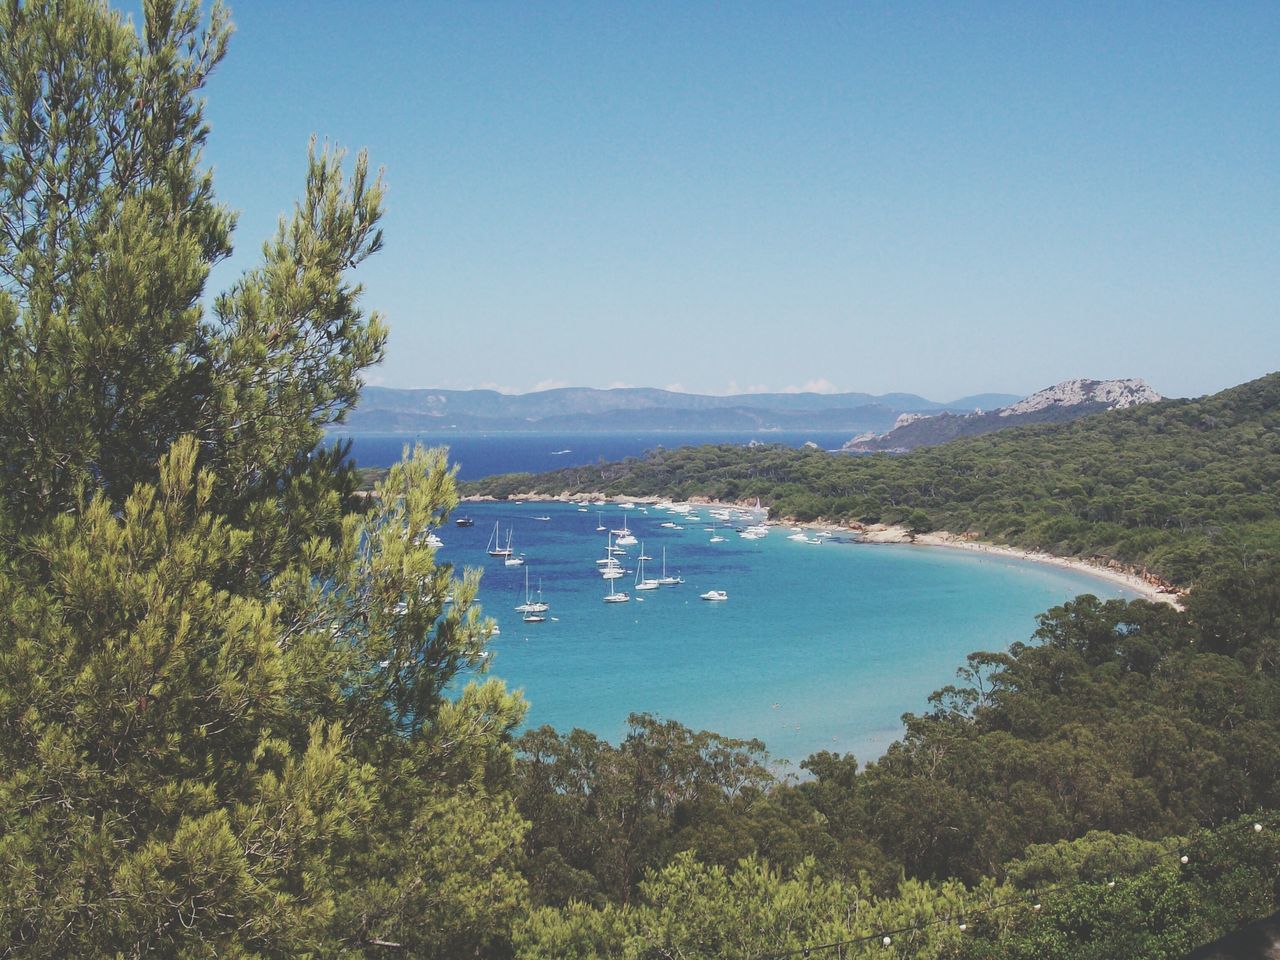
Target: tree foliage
<point>233,695</point>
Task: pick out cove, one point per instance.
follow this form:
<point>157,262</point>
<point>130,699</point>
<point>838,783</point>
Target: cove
<point>819,646</point>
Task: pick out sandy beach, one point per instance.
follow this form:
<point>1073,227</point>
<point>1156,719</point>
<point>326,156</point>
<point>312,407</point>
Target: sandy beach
<point>1147,589</point>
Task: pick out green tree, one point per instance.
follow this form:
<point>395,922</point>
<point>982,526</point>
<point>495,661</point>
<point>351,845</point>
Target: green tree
<point>233,717</point>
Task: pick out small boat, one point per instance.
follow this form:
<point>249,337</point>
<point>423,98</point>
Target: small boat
<point>560,453</point>
<point>464,522</point>
<point>612,573</point>
<point>533,618</point>
<point>494,548</point>
<point>614,597</point>
<point>433,541</point>
<point>530,605</point>
<point>514,561</point>
<point>716,539</point>
<point>643,583</point>
<point>714,595</point>
<point>664,580</point>
<point>600,527</point>
<point>543,519</point>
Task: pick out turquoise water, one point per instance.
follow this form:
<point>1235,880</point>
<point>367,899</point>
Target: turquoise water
<point>819,647</point>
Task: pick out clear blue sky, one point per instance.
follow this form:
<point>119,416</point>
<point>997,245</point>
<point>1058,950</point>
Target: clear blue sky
<point>939,198</point>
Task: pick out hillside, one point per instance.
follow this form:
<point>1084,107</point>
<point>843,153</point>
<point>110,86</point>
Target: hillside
<point>1171,486</point>
<point>581,410</point>
<point>1057,404</point>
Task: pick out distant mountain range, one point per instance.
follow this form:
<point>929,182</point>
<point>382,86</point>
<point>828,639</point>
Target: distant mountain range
<point>586,410</point>
<point>1057,404</point>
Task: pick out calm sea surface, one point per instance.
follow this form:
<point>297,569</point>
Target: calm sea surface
<point>484,455</point>
<point>818,647</point>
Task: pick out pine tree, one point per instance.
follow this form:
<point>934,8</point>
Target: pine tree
<point>232,717</point>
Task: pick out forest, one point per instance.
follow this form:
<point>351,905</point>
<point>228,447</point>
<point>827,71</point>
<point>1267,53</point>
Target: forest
<point>239,718</point>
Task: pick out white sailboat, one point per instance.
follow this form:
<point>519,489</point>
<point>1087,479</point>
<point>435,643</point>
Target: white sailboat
<point>600,527</point>
<point>610,567</point>
<point>494,547</point>
<point>614,596</point>
<point>530,605</point>
<point>512,560</point>
<point>642,582</point>
<point>625,539</point>
<point>664,580</point>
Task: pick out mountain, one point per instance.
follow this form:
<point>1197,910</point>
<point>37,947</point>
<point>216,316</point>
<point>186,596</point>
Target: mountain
<point>585,410</point>
<point>1057,404</point>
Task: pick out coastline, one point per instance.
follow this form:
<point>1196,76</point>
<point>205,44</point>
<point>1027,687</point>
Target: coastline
<point>1147,586</point>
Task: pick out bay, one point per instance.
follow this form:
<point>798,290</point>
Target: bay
<point>819,647</point>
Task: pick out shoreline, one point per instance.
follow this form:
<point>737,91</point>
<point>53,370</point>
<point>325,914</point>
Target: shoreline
<point>1148,587</point>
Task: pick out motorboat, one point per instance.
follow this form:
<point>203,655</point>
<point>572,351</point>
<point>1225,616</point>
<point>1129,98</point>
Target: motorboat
<point>714,595</point>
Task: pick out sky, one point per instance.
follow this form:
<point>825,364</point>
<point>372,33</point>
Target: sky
<point>944,199</point>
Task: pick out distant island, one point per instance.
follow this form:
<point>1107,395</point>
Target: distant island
<point>587,410</point>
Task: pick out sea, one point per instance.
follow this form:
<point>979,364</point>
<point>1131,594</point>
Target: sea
<point>822,644</point>
<point>483,455</point>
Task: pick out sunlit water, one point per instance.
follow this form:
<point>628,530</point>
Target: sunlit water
<point>819,647</point>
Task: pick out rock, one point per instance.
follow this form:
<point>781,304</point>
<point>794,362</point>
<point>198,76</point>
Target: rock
<point>1115,394</point>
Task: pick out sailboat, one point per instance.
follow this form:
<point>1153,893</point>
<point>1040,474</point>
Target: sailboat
<point>600,527</point>
<point>494,547</point>
<point>532,606</point>
<point>512,561</point>
<point>614,597</point>
<point>664,580</point>
<point>624,534</point>
<point>642,583</point>
<point>610,568</point>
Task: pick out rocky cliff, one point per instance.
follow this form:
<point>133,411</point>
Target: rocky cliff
<point>1061,402</point>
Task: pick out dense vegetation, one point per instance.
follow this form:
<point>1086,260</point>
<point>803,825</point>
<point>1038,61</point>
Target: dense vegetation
<point>222,727</point>
<point>1175,486</point>
<point>235,716</point>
